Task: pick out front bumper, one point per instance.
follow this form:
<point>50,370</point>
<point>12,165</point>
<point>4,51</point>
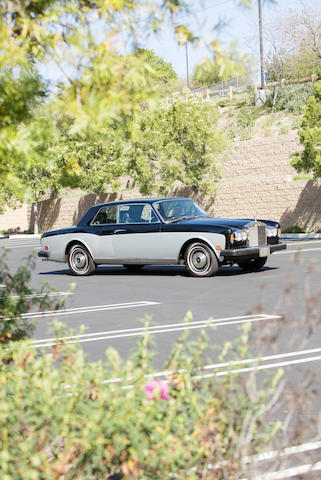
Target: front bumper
<point>251,252</point>
<point>43,254</point>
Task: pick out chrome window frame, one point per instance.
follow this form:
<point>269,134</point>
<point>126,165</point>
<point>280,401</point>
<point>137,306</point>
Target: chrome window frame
<point>103,224</point>
<point>138,223</point>
<point>172,200</point>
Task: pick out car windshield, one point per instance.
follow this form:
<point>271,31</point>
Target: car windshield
<point>171,210</point>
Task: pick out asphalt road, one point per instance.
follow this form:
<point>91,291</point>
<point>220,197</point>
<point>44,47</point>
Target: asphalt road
<point>113,302</point>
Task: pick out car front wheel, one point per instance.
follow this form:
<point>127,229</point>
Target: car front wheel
<point>80,261</point>
<point>200,260</point>
<point>253,265</point>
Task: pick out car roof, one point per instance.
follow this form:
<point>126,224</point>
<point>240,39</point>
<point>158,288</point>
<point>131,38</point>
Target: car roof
<point>140,200</point>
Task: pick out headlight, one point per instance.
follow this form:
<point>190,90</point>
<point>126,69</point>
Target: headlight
<point>240,236</point>
<point>272,232</point>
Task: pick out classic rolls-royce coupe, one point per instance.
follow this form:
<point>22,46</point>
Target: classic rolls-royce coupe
<point>162,231</point>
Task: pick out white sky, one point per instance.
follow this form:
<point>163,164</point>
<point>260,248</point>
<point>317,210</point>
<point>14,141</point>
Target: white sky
<point>241,28</point>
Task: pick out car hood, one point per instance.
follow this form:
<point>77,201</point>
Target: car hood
<point>217,222</point>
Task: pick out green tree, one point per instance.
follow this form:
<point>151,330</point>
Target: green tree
<point>224,64</point>
<point>164,75</point>
<point>177,145</point>
<point>101,87</point>
<point>309,160</point>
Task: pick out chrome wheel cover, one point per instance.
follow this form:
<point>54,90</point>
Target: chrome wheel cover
<point>79,260</point>
<point>199,260</point>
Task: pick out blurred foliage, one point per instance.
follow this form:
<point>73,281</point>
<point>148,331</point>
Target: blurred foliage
<point>224,65</point>
<point>177,145</point>
<point>300,64</point>
<point>18,298</point>
<point>165,76</point>
<point>100,86</point>
<point>293,229</point>
<point>309,160</point>
<point>62,417</point>
<point>292,98</point>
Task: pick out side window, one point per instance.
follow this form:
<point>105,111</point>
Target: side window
<point>154,217</point>
<point>137,213</point>
<point>105,215</point>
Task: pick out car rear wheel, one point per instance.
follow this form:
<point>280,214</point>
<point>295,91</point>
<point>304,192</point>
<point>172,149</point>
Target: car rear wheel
<point>200,260</point>
<point>253,265</point>
<point>80,261</point>
<point>132,267</point>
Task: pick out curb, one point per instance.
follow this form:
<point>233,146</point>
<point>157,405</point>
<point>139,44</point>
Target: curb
<point>301,236</point>
<point>21,235</point>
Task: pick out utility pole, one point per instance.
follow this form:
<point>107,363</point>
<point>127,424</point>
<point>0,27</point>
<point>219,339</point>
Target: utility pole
<point>187,69</point>
<point>259,3</point>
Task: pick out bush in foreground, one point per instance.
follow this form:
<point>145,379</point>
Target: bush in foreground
<point>18,298</point>
<point>62,417</point>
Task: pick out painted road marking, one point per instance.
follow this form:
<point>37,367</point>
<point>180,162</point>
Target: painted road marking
<point>304,447</point>
<point>303,242</point>
<point>297,251</point>
<point>94,308</point>
<point>246,361</point>
<point>255,361</point>
<point>154,330</point>
<point>290,472</point>
<point>20,246</point>
<point>44,295</point>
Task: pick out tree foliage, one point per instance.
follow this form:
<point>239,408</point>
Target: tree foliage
<point>224,65</point>
<point>165,76</point>
<point>293,44</point>
<point>309,160</point>
<point>178,145</point>
<point>101,88</point>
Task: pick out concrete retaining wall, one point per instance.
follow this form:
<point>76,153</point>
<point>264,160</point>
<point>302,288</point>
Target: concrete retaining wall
<point>257,181</point>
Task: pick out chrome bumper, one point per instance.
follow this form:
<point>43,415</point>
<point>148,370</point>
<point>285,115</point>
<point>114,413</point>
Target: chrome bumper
<point>252,252</point>
<point>43,254</point>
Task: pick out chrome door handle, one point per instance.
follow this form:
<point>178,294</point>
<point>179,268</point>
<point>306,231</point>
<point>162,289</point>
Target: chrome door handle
<point>120,230</point>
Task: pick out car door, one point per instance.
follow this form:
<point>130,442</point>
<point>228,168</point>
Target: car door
<point>136,238</point>
<point>103,226</point>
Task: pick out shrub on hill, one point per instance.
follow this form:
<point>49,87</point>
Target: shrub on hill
<point>292,98</point>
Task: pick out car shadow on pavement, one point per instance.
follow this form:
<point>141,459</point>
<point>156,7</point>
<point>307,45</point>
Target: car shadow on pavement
<point>170,271</point>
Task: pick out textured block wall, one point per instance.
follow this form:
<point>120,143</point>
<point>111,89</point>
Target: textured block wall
<point>257,181</point>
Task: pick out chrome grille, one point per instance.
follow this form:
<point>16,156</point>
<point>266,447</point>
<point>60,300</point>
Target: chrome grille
<point>261,234</point>
<point>257,234</point>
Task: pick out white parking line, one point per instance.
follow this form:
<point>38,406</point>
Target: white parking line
<point>303,242</point>
<point>287,252</point>
<point>256,367</point>
<point>94,308</point>
<point>44,295</point>
<point>255,360</point>
<point>154,330</point>
<point>304,447</point>
<point>20,246</point>
<point>290,472</point>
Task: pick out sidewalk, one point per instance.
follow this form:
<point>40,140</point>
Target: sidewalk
<point>20,235</point>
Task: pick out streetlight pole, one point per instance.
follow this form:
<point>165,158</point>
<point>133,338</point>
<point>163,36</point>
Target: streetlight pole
<point>187,69</point>
<point>259,3</point>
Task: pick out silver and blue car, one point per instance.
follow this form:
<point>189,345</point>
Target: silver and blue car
<point>162,231</point>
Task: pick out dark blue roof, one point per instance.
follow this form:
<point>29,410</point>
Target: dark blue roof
<point>140,200</point>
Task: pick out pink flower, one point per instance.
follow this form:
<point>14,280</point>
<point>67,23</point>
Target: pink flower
<point>154,388</point>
